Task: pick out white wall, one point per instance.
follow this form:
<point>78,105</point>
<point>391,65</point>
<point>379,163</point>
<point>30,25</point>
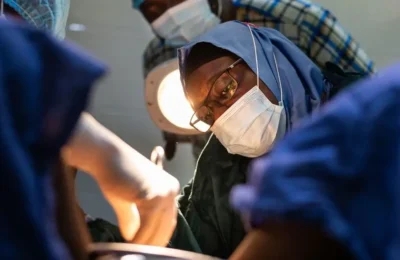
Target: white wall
<point>375,24</point>
<point>118,35</point>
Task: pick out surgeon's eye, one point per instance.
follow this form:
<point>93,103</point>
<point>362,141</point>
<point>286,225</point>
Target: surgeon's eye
<point>228,91</point>
<point>224,88</point>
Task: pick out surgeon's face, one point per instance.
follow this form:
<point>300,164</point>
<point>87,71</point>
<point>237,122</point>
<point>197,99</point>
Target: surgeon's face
<point>217,85</point>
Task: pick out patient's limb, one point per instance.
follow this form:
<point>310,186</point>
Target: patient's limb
<point>142,194</point>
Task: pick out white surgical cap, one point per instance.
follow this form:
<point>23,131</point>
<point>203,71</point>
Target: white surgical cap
<point>50,15</point>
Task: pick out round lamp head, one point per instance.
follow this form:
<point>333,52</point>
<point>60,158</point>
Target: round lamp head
<point>165,97</point>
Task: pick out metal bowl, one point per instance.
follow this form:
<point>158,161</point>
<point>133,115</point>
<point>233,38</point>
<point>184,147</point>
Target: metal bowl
<point>121,251</point>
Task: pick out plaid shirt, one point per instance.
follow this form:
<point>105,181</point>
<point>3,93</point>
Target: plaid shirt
<point>311,27</point>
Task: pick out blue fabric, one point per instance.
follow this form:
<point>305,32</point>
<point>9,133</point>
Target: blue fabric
<point>302,80</point>
<point>49,15</point>
<point>44,86</point>
<point>136,3</point>
<point>340,170</point>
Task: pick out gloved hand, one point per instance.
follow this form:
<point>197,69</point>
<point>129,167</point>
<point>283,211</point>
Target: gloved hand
<point>142,194</point>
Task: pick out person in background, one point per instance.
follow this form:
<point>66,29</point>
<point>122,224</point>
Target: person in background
<point>97,151</point>
<point>52,16</point>
<point>335,177</point>
<point>249,88</point>
<point>37,118</point>
<point>314,29</point>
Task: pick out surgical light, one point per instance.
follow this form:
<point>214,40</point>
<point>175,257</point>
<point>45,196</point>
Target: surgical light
<point>165,98</point>
<point>172,102</point>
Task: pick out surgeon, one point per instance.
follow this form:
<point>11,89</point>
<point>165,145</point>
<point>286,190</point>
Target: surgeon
<point>93,148</point>
<point>313,28</point>
<point>249,88</point>
<point>334,179</point>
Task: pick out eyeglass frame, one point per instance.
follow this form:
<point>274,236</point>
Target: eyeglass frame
<point>206,101</point>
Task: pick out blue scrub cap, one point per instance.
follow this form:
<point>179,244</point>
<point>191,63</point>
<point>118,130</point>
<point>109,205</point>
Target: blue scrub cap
<point>136,3</point>
<point>50,15</point>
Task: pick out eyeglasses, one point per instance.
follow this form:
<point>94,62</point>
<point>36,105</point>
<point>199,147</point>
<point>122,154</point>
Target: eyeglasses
<point>224,88</point>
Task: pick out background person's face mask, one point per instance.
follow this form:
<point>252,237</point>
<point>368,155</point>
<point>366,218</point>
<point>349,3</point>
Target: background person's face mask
<point>182,23</point>
<point>251,125</point>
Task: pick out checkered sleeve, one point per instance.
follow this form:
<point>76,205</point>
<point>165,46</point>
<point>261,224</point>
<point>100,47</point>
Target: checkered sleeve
<point>314,29</point>
<point>156,53</point>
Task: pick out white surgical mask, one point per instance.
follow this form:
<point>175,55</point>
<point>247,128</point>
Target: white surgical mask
<point>182,23</point>
<point>251,125</point>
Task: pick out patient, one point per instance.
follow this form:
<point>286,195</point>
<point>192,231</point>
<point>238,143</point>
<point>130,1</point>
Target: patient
<point>334,179</point>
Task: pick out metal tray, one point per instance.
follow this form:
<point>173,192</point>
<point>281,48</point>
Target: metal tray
<point>122,251</point>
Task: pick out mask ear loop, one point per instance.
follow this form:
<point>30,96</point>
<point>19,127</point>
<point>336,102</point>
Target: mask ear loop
<point>255,54</point>
<point>2,9</point>
<point>279,79</point>
<point>276,66</point>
